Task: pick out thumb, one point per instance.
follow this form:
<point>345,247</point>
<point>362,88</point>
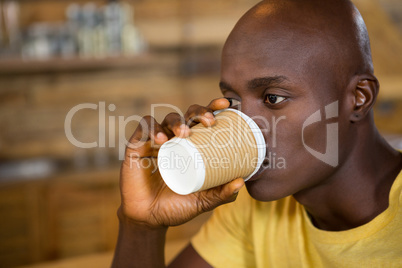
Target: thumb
<point>221,195</point>
<point>230,190</point>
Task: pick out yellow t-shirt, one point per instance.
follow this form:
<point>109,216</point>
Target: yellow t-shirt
<point>249,233</point>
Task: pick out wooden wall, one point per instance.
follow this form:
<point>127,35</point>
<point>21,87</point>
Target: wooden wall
<point>62,216</point>
<point>72,212</point>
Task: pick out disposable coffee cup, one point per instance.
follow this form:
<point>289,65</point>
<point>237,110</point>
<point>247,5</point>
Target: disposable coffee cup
<point>233,147</point>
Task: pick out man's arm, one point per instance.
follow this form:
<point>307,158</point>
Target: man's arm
<point>148,206</point>
<point>138,246</point>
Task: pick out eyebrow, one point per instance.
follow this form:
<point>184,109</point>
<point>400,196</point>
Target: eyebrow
<point>266,82</point>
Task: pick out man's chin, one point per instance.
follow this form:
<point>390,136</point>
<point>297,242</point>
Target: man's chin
<point>263,190</point>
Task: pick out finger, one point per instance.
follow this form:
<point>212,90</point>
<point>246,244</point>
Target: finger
<point>175,125</point>
<point>199,114</point>
<point>147,129</point>
<point>230,190</point>
<point>148,136</point>
<point>219,104</point>
<point>142,149</point>
<point>214,197</point>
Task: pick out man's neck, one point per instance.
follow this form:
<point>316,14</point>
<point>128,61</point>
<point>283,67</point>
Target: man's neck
<point>358,192</point>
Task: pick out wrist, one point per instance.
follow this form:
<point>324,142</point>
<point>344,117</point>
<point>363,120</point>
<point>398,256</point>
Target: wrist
<point>128,223</point>
<point>138,244</point>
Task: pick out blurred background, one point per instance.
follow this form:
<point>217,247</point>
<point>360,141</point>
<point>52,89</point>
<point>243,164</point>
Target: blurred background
<point>58,202</point>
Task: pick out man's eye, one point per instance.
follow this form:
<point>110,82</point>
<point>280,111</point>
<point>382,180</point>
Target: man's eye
<point>273,99</point>
<point>233,103</point>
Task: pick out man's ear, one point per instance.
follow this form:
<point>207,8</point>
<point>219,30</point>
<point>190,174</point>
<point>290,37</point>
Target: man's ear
<point>365,94</point>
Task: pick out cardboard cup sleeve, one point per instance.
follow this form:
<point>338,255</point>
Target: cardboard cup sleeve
<point>233,147</point>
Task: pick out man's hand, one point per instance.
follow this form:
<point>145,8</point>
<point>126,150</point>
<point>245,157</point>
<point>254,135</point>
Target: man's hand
<point>146,201</point>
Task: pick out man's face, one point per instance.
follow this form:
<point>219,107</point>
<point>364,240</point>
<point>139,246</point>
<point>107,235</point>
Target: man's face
<point>282,78</point>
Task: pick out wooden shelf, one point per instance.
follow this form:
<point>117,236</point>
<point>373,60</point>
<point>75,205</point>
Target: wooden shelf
<point>21,66</point>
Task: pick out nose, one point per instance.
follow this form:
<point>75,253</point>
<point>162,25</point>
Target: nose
<point>255,113</point>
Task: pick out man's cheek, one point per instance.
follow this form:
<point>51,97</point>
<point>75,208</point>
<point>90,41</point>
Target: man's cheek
<point>314,136</point>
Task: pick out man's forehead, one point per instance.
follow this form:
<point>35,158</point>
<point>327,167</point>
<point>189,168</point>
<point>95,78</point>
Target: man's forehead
<point>285,56</point>
<point>294,39</point>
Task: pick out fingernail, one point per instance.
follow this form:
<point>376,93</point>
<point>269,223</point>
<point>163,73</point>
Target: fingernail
<point>208,118</point>
<point>160,136</point>
<point>183,129</point>
<point>209,115</point>
<point>236,190</point>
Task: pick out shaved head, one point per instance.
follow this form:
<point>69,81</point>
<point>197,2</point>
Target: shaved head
<point>286,60</point>
<point>331,31</point>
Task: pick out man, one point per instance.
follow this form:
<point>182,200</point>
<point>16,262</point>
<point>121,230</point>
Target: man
<point>284,59</point>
